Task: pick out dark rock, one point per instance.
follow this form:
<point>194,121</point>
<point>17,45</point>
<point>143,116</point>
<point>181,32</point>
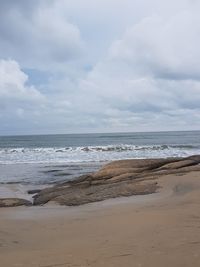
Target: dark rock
<point>14,202</point>
<point>34,191</point>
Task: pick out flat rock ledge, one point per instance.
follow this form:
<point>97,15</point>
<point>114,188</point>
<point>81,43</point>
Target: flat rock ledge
<point>117,179</point>
<point>14,202</point>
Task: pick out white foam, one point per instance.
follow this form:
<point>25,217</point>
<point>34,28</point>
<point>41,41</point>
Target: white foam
<point>92,153</point>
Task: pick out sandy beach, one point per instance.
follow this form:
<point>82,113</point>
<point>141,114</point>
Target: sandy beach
<point>99,133</point>
<point>160,229</point>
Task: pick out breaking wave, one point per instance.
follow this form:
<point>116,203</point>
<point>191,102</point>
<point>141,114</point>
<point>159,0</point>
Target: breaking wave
<point>93,153</point>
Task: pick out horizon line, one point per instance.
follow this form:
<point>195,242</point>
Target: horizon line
<point>91,133</point>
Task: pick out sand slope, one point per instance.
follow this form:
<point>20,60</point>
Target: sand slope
<point>162,229</point>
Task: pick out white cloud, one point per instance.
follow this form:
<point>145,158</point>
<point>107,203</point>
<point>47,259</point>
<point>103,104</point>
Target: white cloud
<point>163,47</point>
<point>154,68</point>
<point>13,83</point>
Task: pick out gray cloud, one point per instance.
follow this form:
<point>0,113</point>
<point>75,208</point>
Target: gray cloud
<point>143,57</point>
<point>36,35</point>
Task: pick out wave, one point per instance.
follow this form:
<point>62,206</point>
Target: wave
<point>121,148</point>
<point>94,153</point>
<point>106,148</point>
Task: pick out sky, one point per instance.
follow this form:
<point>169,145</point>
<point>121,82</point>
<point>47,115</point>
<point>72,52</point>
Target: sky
<point>79,66</point>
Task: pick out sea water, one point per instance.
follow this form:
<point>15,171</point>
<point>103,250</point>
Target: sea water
<point>41,159</point>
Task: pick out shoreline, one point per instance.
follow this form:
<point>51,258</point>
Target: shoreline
<point>161,229</point>
<point>121,178</point>
<point>33,175</point>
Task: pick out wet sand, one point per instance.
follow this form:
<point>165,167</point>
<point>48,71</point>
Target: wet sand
<point>161,229</point>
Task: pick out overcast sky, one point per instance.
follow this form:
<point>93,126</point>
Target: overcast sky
<point>78,66</point>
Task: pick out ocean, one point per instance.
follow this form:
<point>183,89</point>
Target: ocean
<point>47,159</point>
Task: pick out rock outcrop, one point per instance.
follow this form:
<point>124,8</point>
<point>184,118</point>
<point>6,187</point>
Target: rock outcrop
<point>116,179</point>
<point>14,202</point>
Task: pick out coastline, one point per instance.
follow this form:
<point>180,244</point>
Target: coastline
<point>122,178</point>
<point>160,229</point>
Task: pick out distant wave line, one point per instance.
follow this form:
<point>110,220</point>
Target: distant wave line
<point>106,148</point>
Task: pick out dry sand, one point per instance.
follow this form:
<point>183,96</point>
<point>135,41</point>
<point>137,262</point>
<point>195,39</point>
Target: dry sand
<point>162,229</point>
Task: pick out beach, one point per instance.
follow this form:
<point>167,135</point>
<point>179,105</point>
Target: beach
<point>104,200</point>
<point>160,229</point>
<point>99,133</point>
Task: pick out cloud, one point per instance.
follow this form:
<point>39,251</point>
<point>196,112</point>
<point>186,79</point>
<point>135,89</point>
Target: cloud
<point>24,109</point>
<point>37,35</point>
<point>153,69</point>
<point>163,47</point>
<point>139,69</point>
<point>13,83</point>
<point>18,101</point>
